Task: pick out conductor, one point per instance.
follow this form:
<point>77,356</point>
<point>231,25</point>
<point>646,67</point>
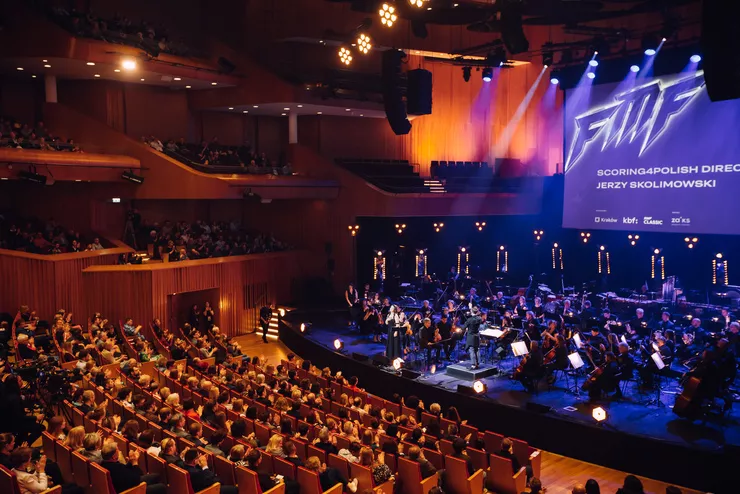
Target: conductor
<point>472,340</point>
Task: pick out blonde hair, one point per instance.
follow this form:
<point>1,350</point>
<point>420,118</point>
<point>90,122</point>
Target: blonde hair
<point>164,393</point>
<point>237,452</point>
<point>167,442</point>
<point>74,439</point>
<point>275,443</point>
<point>22,338</point>
<point>173,400</point>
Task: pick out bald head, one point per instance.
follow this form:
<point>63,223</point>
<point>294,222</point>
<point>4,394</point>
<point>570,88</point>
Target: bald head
<point>579,489</point>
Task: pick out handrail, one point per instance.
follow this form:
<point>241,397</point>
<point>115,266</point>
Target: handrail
<point>188,264</point>
<point>120,248</point>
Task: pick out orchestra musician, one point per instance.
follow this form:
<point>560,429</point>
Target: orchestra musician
<point>444,329</point>
<point>567,310</point>
<point>607,322</point>
<point>557,357</point>
<point>351,298</point>
<point>539,311</point>
<point>639,323</point>
<point>700,335</point>
<point>625,361</point>
<point>531,367</point>
<point>521,307</point>
<point>472,337</point>
<point>608,379</point>
<point>532,327</point>
<point>397,327</point>
<point>499,301</point>
<point>426,310</point>
<point>429,338</point>
<point>383,313</point>
<point>725,318</point>
<point>473,299</point>
<point>367,294</point>
<point>665,322</point>
<point>650,368</point>
<point>587,312</point>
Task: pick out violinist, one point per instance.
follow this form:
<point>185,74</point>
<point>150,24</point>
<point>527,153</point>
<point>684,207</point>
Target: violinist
<point>521,307</point>
<point>368,317</point>
<point>549,335</point>
<point>605,378</point>
<point>473,299</point>
<point>532,326</point>
<point>429,339</point>
<point>596,341</point>
<point>531,367</point>
<point>632,337</point>
<point>567,310</point>
<point>725,318</point>
<point>625,362</point>
<point>449,339</point>
<point>639,323</point>
<point>451,311</point>
<point>557,357</point>
<point>499,301</point>
<point>650,368</point>
<point>426,310</point>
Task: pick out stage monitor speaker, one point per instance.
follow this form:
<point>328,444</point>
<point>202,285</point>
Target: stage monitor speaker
<point>381,360</point>
<point>537,408</point>
<point>395,109</point>
<point>419,92</point>
<point>359,357</point>
<point>226,66</point>
<point>410,374</point>
<point>720,40</point>
<point>512,31</point>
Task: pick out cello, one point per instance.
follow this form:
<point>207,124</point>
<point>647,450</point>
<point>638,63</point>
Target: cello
<point>594,375</point>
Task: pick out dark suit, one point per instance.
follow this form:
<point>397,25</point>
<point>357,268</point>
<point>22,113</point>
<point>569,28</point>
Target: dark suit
<point>468,462</point>
<point>426,467</point>
<point>201,478</point>
<point>266,314</point>
<point>331,477</point>
<point>127,476</point>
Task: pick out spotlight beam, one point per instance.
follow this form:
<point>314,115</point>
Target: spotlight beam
<point>506,136</point>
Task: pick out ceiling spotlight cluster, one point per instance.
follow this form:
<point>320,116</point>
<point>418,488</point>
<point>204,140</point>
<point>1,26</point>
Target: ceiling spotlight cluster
<point>363,44</point>
<point>345,56</point>
<point>417,3</point>
<point>633,239</point>
<point>690,242</point>
<point>388,15</point>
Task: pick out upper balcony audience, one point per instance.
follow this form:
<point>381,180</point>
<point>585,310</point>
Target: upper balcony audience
<point>39,237</point>
<point>182,241</point>
<point>15,134</point>
<point>120,29</point>
<point>212,153</point>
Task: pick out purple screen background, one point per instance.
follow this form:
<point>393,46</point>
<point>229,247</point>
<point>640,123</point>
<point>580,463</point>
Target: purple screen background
<point>699,133</point>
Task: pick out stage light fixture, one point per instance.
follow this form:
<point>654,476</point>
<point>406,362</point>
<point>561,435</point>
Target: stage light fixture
<point>417,3</point>
<point>695,58</point>
<point>398,363</point>
<point>400,228</point>
<point>719,256</point>
<point>466,73</point>
<point>656,251</point>
<point>338,344</point>
<point>599,414</point>
<point>585,236</point>
<point>131,177</point>
<point>32,177</point>
<point>128,64</point>
<point>690,242</point>
<point>591,75</point>
<point>303,327</point>
<point>479,387</point>
<point>345,56</point>
<point>281,312</point>
<point>387,15</point>
<point>438,227</point>
<point>538,234</point>
<point>480,225</point>
<point>487,74</point>
<point>554,80</point>
<point>593,63</point>
<point>363,44</point>
<point>353,229</point>
<point>635,68</point>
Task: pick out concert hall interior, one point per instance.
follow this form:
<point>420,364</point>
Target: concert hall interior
<point>369,246</point>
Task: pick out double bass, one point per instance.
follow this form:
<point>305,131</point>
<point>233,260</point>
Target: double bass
<point>594,375</point>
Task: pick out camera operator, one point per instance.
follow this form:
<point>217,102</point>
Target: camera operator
<point>27,427</point>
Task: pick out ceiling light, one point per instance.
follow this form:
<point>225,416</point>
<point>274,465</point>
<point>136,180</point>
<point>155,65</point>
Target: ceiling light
<point>695,58</point>
<point>187,87</point>
<point>416,3</point>
<point>283,114</point>
<point>142,79</point>
<point>231,108</point>
<point>91,63</point>
<point>348,109</point>
<point>387,15</point>
<point>300,106</point>
<point>554,80</point>
<point>129,64</point>
<point>97,75</point>
<point>19,68</point>
<point>363,44</point>
<point>487,74</point>
<point>178,78</point>
<point>44,61</point>
<point>590,75</point>
<point>214,84</point>
<point>429,8</point>
<point>47,66</point>
<point>245,111</point>
<point>650,52</point>
<point>362,115</point>
<point>286,109</point>
<point>345,55</point>
<point>116,70</point>
<point>33,76</point>
<point>255,106</point>
<point>635,68</point>
<point>318,113</point>
<point>593,63</point>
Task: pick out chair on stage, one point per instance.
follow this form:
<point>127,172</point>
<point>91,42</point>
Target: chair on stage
<point>457,480</point>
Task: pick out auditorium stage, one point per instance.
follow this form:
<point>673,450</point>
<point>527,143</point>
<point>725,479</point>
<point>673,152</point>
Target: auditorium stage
<point>553,419</point>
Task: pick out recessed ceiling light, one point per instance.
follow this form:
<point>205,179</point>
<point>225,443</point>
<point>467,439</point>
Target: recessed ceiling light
<point>142,79</point>
<point>283,114</point>
<point>91,63</point>
<point>129,64</point>
<point>34,76</point>
<point>362,115</point>
<point>78,180</point>
<point>256,106</point>
<point>318,113</point>
<point>116,70</point>
<point>47,66</point>
<point>348,109</point>
<point>429,8</point>
<point>4,178</point>
<point>187,87</point>
<point>97,75</point>
<point>245,111</point>
<point>300,106</point>
<point>44,61</point>
<point>231,108</point>
<point>178,78</point>
<point>19,68</point>
<point>455,4</point>
<point>286,109</point>
<point>214,83</point>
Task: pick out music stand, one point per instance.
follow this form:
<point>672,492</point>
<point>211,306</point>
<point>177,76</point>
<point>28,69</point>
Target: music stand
<point>519,348</point>
<point>576,362</point>
<point>579,342</point>
<point>655,400</point>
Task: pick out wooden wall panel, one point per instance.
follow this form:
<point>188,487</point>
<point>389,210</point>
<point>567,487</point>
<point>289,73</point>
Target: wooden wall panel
<point>245,282</point>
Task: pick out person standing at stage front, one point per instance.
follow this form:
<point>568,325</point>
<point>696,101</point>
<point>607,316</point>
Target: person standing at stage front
<point>265,316</point>
<point>397,324</point>
<point>472,340</point>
